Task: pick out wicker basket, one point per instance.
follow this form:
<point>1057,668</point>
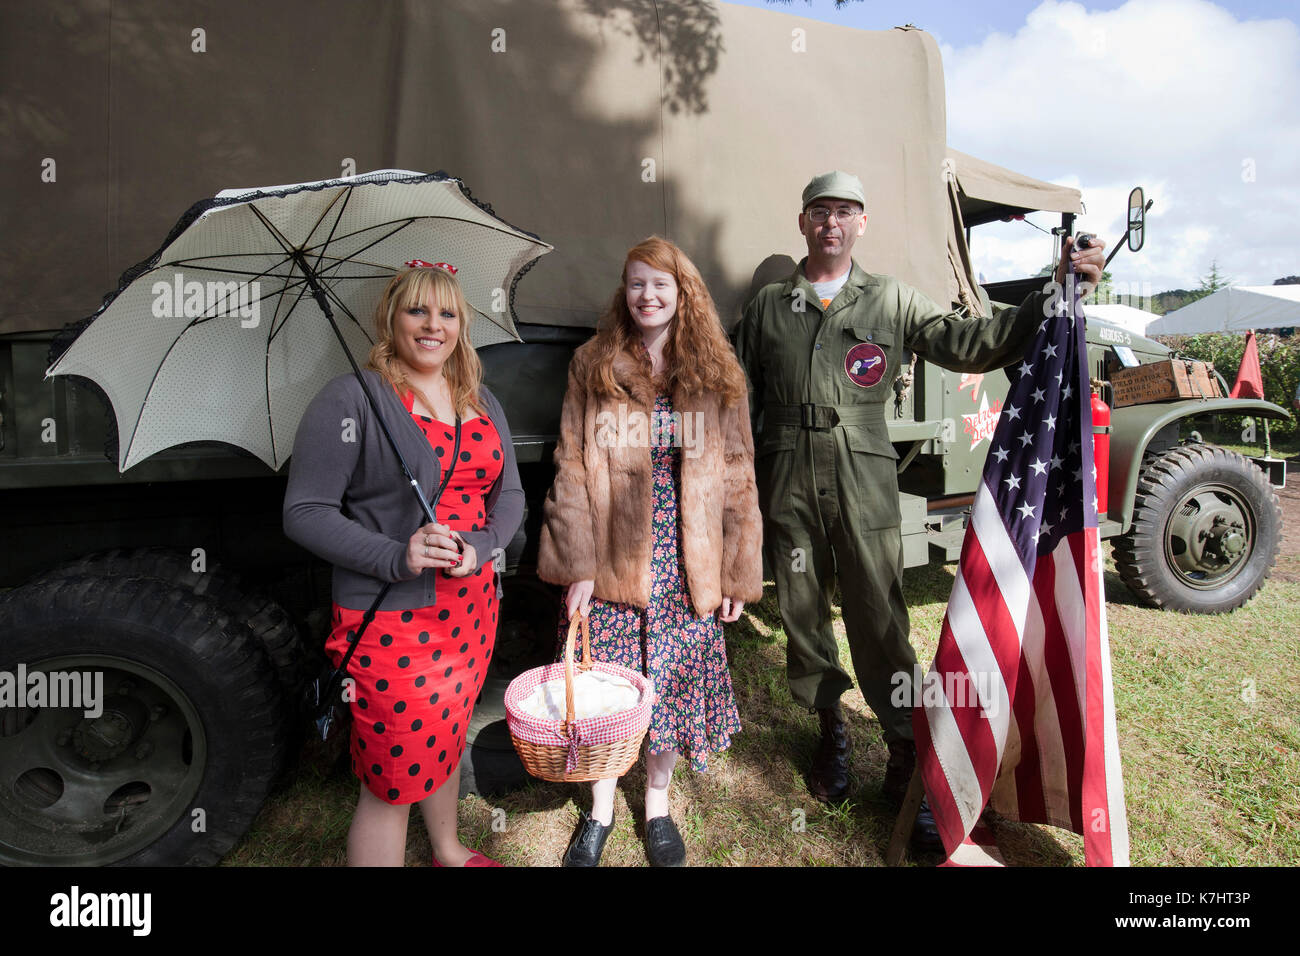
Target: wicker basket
<point>590,748</point>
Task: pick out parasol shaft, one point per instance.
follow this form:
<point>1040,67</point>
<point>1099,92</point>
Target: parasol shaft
<point>323,301</point>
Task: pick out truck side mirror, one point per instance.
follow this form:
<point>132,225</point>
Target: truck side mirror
<point>1137,214</point>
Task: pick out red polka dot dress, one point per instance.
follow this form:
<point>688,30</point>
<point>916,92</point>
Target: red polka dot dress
<point>418,672</point>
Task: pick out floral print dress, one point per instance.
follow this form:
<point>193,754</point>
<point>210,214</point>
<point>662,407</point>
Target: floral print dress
<point>695,713</point>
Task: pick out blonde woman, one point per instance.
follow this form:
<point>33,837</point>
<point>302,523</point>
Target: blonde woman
<point>419,665</point>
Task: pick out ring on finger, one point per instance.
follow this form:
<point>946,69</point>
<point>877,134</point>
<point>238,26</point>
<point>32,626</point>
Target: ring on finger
<point>426,552</point>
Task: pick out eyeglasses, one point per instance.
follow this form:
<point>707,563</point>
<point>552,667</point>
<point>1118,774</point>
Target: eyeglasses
<point>843,215</point>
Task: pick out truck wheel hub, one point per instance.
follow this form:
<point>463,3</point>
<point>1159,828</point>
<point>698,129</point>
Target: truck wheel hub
<point>113,783</point>
<point>112,732</point>
<point>1208,536</point>
<point>1232,543</point>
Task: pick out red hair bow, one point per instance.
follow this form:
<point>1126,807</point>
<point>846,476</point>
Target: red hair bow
<point>421,264</point>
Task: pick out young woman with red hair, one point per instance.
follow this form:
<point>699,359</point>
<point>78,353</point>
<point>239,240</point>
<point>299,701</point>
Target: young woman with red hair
<point>653,520</point>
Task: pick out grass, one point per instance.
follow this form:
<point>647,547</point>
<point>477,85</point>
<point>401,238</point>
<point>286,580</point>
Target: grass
<point>1206,710</point>
<point>1281,446</point>
<point>1208,734</point>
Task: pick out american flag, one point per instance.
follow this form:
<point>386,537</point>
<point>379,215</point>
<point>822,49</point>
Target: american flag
<point>1017,711</point>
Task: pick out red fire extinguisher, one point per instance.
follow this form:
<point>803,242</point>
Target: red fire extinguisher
<point>1101,447</point>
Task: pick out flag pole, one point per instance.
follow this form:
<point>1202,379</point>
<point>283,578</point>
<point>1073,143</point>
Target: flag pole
<point>906,820</point>
<point>1268,438</point>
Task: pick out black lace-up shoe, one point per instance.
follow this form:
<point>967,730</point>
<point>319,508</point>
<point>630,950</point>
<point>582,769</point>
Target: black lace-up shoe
<point>663,844</point>
<point>588,842</point>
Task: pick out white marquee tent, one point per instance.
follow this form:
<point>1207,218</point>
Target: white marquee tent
<point>1237,309</point>
<point>1125,316</point>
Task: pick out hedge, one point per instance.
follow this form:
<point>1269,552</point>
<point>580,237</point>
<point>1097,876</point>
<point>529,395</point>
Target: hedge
<point>1279,364</point>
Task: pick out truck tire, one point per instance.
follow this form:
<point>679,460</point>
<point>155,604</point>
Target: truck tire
<point>269,622</point>
<point>182,756</point>
<point>1206,531</point>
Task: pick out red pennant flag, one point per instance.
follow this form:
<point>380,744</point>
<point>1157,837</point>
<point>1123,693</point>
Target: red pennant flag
<point>1250,384</point>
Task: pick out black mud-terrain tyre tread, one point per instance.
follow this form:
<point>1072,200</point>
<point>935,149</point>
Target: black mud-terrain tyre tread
<point>279,636</point>
<point>268,621</point>
<point>1140,554</point>
<point>196,644</point>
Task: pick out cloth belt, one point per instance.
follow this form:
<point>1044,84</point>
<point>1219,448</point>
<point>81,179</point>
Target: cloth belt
<point>820,417</point>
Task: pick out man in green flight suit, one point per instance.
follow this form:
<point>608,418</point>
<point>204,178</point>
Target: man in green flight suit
<point>822,350</point>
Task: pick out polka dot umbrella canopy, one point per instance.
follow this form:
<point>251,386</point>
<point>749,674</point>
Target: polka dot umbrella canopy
<point>223,333</point>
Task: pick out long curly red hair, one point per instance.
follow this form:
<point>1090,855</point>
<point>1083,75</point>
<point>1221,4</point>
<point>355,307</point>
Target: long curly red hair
<point>697,356</point>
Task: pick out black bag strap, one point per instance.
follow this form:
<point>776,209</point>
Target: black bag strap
<point>365,622</point>
<point>379,599</point>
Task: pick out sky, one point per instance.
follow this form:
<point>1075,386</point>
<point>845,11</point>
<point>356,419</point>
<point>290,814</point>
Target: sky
<point>1198,102</point>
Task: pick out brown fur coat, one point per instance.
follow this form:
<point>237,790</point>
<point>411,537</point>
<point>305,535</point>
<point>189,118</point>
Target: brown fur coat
<point>597,516</point>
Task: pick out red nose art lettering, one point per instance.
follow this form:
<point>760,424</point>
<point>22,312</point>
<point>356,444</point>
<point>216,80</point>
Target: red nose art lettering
<point>865,364</point>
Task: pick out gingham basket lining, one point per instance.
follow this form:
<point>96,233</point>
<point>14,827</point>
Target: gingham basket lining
<point>587,730</point>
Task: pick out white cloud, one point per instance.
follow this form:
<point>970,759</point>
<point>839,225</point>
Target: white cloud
<point>1176,95</point>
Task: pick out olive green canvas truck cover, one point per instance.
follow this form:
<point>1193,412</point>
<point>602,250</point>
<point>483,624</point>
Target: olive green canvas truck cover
<point>593,125</point>
<point>990,192</point>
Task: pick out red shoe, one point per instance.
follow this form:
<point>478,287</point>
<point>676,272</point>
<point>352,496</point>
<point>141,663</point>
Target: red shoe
<point>475,859</point>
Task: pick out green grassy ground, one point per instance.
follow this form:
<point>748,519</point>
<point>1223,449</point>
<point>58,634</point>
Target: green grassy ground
<point>1206,710</point>
<point>1279,446</point>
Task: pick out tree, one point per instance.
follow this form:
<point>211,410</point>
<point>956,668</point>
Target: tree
<point>1287,280</point>
<point>1211,282</point>
<point>1163,302</point>
<point>1102,293</point>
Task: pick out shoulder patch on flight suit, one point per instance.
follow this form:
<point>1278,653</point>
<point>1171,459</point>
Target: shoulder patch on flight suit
<point>865,364</point>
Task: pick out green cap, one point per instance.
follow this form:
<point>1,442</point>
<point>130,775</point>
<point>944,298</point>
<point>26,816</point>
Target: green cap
<point>834,185</point>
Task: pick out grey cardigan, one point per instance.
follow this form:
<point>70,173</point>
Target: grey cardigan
<point>348,502</point>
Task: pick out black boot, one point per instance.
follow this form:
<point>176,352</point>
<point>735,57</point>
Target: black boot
<point>898,774</point>
<point>898,771</point>
<point>829,778</point>
<point>588,842</point>
<point>925,832</point>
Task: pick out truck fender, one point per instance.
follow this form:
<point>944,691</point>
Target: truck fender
<point>1135,426</point>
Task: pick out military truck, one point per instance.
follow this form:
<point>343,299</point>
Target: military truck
<point>593,125</point>
<point>1196,528</point>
